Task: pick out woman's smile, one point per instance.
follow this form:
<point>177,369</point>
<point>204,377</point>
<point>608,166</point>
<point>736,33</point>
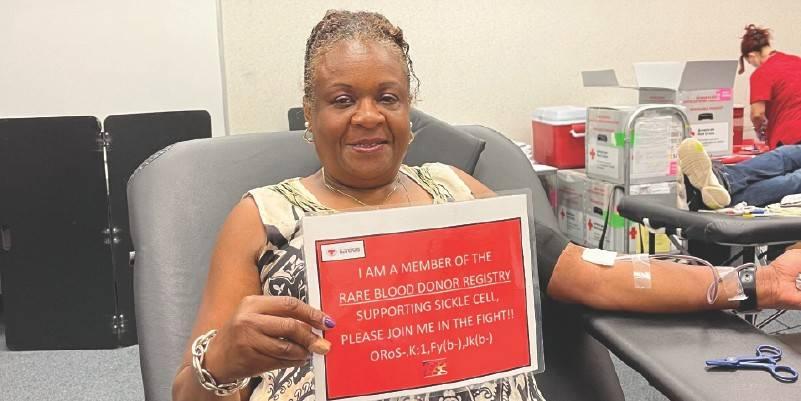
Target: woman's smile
<point>369,145</point>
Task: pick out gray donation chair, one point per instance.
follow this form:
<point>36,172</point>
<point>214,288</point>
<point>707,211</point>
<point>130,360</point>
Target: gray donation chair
<point>180,196</point>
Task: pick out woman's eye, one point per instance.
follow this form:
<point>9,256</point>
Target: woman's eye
<point>387,98</point>
<point>343,100</point>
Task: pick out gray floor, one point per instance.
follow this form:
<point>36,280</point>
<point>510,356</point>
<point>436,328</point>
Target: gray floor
<point>88,375</point>
<point>113,375</point>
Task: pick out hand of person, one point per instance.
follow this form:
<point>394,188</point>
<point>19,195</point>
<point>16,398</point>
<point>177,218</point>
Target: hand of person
<point>266,333</point>
<point>776,286</point>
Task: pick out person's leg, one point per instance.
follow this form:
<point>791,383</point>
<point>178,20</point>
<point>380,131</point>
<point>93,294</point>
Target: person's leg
<point>696,165</point>
<point>775,163</point>
<point>771,190</point>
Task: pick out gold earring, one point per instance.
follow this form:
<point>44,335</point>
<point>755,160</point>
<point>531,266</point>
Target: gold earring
<point>307,135</point>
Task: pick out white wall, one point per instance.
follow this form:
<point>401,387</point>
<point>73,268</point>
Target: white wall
<point>96,57</point>
<point>493,62</point>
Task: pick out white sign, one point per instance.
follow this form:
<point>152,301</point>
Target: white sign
<point>425,298</point>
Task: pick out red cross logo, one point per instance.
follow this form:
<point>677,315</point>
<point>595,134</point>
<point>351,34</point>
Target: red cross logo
<point>592,153</point>
<point>633,233</point>
<point>589,224</point>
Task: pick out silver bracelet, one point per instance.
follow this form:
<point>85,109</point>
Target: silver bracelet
<point>199,348</point>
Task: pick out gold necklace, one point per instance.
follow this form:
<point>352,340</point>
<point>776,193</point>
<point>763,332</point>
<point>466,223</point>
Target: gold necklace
<point>337,190</point>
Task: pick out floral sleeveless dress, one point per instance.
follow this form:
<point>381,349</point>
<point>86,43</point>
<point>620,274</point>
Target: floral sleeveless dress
<point>282,273</point>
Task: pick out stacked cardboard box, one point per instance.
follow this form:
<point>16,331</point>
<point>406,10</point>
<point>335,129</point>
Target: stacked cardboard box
<point>586,207</point>
<point>571,188</point>
<point>704,88</point>
<point>652,144</point>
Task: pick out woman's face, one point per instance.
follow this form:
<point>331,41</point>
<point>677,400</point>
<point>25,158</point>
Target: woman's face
<point>360,113</point>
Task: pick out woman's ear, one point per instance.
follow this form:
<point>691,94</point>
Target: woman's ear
<point>753,58</point>
<point>307,111</point>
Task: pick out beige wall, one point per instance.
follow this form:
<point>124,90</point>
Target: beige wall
<point>493,62</point>
<point>98,57</point>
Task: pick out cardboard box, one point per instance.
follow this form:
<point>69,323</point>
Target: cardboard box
<point>622,235</point>
<point>547,176</point>
<point>653,144</point>
<point>703,87</point>
<point>571,187</point>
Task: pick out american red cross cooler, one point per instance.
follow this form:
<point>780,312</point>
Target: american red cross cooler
<point>558,136</point>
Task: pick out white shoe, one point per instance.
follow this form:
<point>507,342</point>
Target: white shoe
<point>697,166</point>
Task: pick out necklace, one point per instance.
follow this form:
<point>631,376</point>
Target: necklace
<point>334,189</point>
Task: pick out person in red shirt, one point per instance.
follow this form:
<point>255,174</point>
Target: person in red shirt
<point>775,88</point>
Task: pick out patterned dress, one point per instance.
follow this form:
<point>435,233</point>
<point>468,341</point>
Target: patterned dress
<point>282,273</point>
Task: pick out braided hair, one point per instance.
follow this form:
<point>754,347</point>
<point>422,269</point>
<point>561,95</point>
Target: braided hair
<point>338,25</point>
<point>754,40</point>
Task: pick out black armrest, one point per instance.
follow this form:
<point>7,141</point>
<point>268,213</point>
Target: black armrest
<point>670,350</point>
<point>711,227</point>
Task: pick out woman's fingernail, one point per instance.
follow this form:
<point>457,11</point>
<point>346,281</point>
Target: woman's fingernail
<point>320,346</point>
<point>329,323</point>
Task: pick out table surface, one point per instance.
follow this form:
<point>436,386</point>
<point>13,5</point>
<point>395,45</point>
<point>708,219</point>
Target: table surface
<point>670,350</point>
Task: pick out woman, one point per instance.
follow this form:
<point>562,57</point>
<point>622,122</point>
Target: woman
<point>775,88</point>
<point>358,88</point>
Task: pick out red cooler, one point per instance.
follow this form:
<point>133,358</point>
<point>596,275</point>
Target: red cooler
<point>559,136</point>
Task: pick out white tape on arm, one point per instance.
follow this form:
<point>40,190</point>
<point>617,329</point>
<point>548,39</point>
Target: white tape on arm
<point>641,268</point>
<point>599,257</point>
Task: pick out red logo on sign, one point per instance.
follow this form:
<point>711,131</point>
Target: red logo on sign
<point>435,367</point>
<point>633,233</point>
<point>562,214</point>
<point>332,252</point>
<point>592,153</point>
<point>589,224</point>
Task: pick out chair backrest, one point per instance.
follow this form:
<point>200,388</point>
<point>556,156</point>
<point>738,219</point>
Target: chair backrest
<point>180,196</point>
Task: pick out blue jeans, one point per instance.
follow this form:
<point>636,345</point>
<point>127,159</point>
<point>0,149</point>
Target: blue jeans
<point>765,179</point>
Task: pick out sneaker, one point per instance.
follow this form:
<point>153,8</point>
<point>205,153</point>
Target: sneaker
<point>688,197</point>
<point>696,165</point>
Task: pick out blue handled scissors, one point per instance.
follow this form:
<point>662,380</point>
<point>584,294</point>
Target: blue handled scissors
<point>767,358</point>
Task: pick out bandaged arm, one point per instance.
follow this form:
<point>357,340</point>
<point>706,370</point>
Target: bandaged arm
<point>674,287</point>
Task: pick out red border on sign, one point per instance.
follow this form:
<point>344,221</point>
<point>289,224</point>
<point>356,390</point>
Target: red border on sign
<point>519,259</point>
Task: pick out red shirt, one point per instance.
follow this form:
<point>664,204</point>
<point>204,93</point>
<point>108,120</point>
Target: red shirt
<point>777,82</point>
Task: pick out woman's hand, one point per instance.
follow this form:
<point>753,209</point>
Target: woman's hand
<point>776,283</point>
<point>266,333</point>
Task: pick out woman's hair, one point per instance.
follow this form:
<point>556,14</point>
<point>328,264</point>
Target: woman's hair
<point>338,25</point>
<point>754,39</point>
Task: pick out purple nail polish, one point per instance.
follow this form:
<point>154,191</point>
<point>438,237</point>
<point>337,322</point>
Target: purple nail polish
<point>329,323</point>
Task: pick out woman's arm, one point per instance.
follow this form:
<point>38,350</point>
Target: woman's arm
<point>256,333</point>
<point>232,276</point>
<point>674,287</point>
<point>758,115</point>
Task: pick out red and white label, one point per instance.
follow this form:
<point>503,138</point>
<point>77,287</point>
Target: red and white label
<point>342,251</point>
